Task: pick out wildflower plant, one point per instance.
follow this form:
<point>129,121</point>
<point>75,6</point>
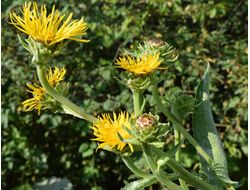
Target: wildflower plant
<point>126,133</point>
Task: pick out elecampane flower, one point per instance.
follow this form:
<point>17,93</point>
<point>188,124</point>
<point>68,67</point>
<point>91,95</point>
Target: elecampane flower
<point>140,66</point>
<point>56,77</point>
<point>105,129</point>
<point>38,91</point>
<point>34,103</point>
<point>46,28</point>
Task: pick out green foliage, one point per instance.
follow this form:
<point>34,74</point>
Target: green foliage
<point>37,147</point>
<point>206,135</point>
<point>140,184</point>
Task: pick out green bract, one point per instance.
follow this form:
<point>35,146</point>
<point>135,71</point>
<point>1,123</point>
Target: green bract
<point>41,53</point>
<point>150,132</point>
<point>180,105</point>
<point>125,152</point>
<point>140,82</point>
<point>153,47</point>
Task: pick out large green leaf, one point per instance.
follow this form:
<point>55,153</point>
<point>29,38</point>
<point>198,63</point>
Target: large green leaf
<point>207,136</point>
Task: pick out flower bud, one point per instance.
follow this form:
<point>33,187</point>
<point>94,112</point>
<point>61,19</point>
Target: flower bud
<point>180,104</point>
<point>156,42</point>
<point>146,123</point>
<point>145,127</point>
<point>153,47</point>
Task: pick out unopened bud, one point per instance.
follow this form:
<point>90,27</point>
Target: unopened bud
<point>146,123</point>
<point>156,42</point>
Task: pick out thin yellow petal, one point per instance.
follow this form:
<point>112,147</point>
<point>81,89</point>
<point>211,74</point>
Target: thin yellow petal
<point>105,129</point>
<point>46,28</point>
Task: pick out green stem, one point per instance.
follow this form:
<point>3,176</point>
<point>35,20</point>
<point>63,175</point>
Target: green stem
<point>133,168</point>
<point>71,106</point>
<point>184,174</point>
<point>136,97</point>
<point>177,135</point>
<point>159,175</point>
<point>179,126</point>
<point>137,171</point>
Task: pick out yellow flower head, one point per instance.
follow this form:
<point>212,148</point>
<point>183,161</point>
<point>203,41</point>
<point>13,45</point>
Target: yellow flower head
<point>34,103</point>
<point>56,77</point>
<point>38,91</point>
<point>46,28</point>
<point>140,66</point>
<point>105,129</point>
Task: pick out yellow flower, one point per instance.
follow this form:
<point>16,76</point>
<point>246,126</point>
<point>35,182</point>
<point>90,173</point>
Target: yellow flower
<point>46,28</point>
<point>140,66</point>
<point>34,103</point>
<point>56,77</point>
<point>105,129</point>
<point>38,91</point>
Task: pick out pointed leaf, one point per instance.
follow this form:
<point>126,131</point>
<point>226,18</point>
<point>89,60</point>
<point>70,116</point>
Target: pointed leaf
<point>142,105</point>
<point>119,136</point>
<point>240,183</point>
<point>26,46</point>
<point>207,136</point>
<point>129,131</point>
<point>133,141</point>
<point>170,153</point>
<point>163,130</point>
<point>129,140</point>
<point>157,143</point>
<point>140,184</point>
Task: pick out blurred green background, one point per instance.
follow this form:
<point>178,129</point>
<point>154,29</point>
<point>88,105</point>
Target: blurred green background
<point>35,148</point>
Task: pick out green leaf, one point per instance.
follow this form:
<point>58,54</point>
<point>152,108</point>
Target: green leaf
<point>165,157</point>
<point>23,187</point>
<point>240,183</point>
<point>125,23</point>
<point>56,120</point>
<point>26,46</point>
<point>83,147</point>
<point>157,143</point>
<point>207,136</point>
<point>163,130</point>
<point>87,153</point>
<point>212,12</point>
<point>139,184</point>
<point>133,141</point>
<point>142,103</point>
<point>129,131</point>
